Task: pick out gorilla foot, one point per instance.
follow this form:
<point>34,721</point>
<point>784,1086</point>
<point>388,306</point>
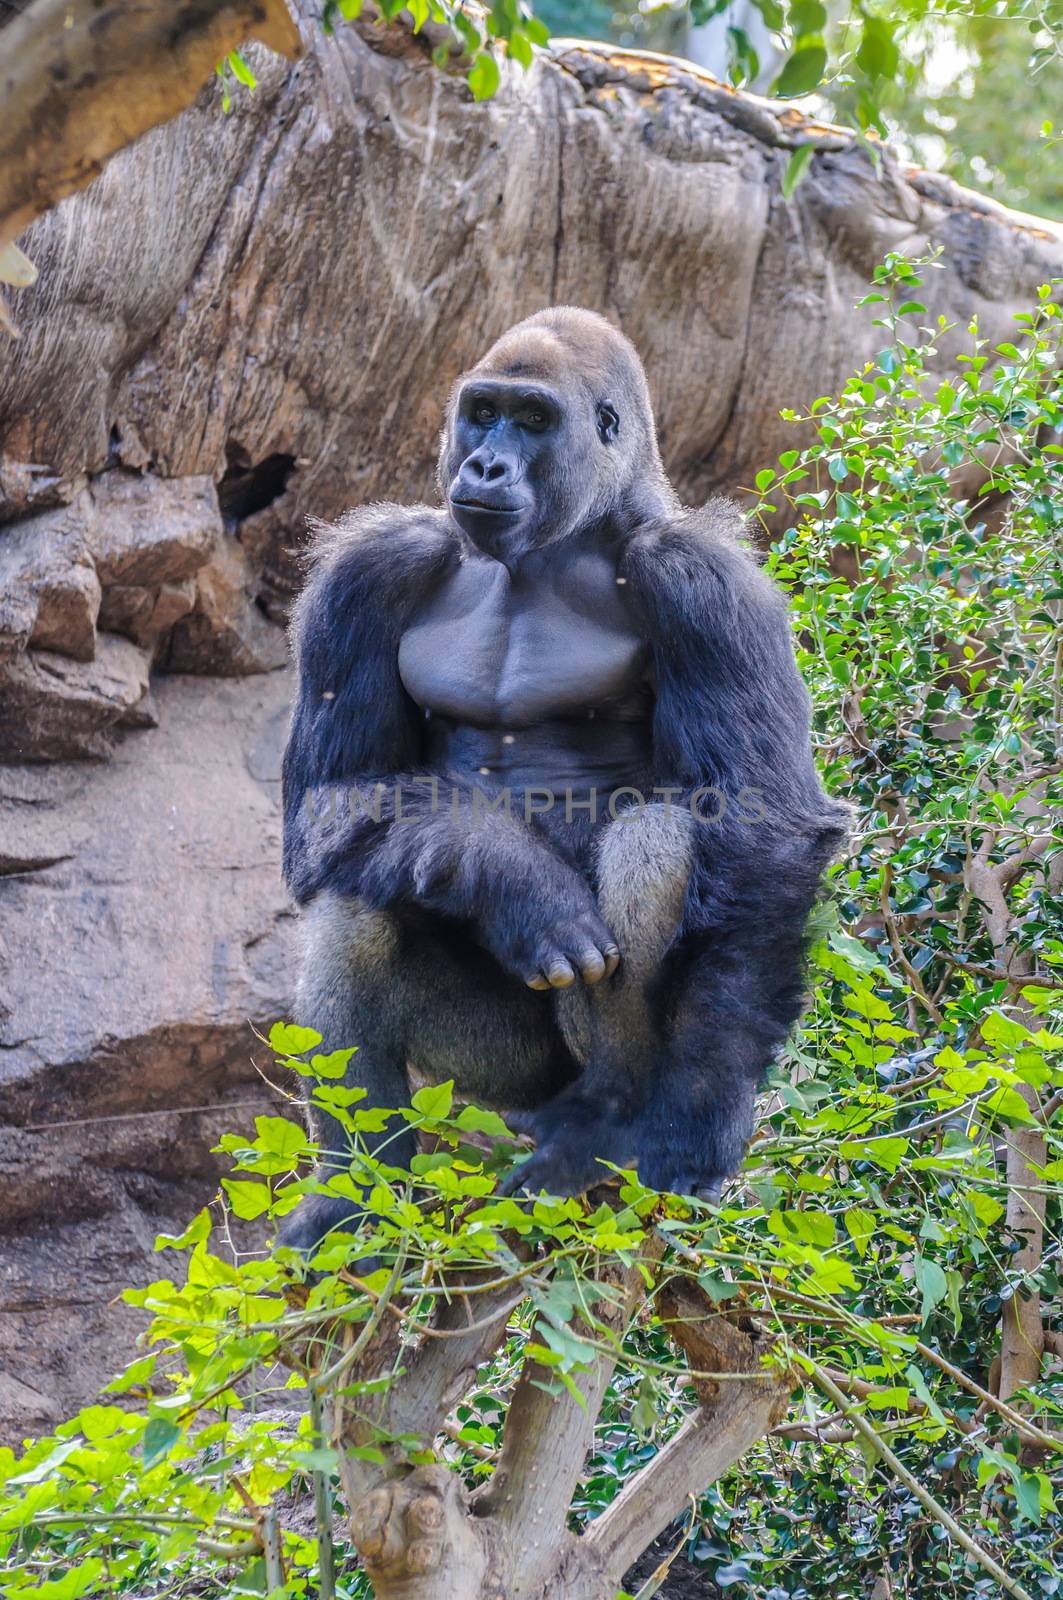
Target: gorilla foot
<point>314,1218</point>
<point>679,1173</point>
<point>571,1145</point>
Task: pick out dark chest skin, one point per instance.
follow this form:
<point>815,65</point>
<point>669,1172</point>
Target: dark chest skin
<point>538,675</point>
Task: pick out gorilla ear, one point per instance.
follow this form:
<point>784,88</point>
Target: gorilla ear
<point>608,422</point>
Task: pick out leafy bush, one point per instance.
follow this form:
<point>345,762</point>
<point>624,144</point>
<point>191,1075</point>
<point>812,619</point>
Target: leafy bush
<point>896,1225</point>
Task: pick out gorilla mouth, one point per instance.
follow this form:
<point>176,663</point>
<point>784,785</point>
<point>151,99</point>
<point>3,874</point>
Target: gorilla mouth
<point>488,506</point>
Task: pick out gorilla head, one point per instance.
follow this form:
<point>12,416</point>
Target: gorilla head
<point>550,432</point>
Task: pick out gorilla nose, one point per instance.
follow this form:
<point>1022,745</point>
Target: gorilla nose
<point>481,472</point>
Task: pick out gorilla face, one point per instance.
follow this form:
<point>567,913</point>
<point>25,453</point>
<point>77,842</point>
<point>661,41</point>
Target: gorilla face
<point>522,461</point>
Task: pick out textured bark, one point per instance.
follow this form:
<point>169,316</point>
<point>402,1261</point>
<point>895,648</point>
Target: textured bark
<point>248,319</point>
<point>83,79</point>
<point>1022,1334</point>
<point>420,1534</point>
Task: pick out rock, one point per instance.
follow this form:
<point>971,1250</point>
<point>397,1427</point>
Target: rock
<point>225,633</point>
<point>46,570</point>
<point>143,928</point>
<point>56,709</point>
<point>148,531</point>
<point>226,338</point>
<point>121,557</point>
<point>144,615</point>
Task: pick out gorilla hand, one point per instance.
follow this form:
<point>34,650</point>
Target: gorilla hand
<point>554,933</point>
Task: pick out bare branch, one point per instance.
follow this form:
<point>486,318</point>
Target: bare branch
<point>547,1436</point>
<point>731,1418</point>
<point>705,1446</point>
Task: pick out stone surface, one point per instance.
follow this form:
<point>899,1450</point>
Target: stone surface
<point>143,930</point>
<point>45,563</point>
<point>56,709</point>
<point>225,633</point>
<point>147,531</point>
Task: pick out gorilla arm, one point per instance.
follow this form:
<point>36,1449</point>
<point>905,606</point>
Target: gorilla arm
<point>355,728</point>
<point>732,750</point>
<point>731,717</point>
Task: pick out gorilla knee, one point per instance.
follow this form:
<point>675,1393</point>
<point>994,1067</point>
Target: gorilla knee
<point>349,948</point>
<point>644,860</point>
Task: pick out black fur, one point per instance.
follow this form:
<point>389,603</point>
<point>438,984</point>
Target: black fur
<point>444,888</point>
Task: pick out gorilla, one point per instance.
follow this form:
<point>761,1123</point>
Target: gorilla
<point>551,812</point>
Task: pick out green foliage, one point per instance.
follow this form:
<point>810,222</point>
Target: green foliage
<point>923,561</point>
<point>870,64</point>
<point>988,124</point>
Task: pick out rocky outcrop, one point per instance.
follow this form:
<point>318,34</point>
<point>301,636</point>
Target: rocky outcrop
<point>144,927</point>
<point>255,318</point>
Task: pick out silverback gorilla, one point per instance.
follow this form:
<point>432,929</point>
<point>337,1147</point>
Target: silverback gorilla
<point>550,804</point>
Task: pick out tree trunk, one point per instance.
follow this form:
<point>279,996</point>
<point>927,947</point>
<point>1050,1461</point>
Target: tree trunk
<point>85,79</point>
<point>422,1537</point>
<point>253,318</point>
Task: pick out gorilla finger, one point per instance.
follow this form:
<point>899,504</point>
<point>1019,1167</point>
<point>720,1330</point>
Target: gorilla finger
<point>521,1179</point>
<point>591,965</point>
<point>612,960</point>
<point>537,981</point>
<point>523,1122</point>
<point>560,975</point>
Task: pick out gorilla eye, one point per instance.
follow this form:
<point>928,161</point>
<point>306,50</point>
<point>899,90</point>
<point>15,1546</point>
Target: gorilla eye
<point>484,412</point>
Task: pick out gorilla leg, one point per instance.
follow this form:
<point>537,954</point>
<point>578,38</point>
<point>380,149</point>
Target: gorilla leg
<point>617,1030</point>
<point>731,1008</point>
<point>411,993</point>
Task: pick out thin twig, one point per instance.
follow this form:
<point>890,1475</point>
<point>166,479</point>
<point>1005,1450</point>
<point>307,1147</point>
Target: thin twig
<point>1029,1430</point>
<point>326,1555</point>
<point>944,1518</point>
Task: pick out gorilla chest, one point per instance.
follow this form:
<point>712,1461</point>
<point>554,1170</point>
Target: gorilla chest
<point>498,649</point>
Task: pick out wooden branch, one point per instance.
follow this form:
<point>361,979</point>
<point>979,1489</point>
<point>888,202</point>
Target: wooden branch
<point>416,1538</point>
<point>84,78</point>
<point>547,1436</point>
<point>732,1417</point>
<point>705,1446</point>
<point>438,1371</point>
<point>1021,1326</point>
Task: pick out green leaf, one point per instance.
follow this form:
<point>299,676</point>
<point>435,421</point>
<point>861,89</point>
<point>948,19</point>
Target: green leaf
<point>743,61</point>
<point>807,1227</point>
<point>1008,1102</point>
<point>888,1153</point>
<point>334,1065</point>
<point>703,11</point>
<point>280,1137</point>
<point>717,1288</point>
<point>160,1436</point>
<point>802,72</point>
<point>434,1100</point>
<point>860,1226</point>
<point>248,1200</point>
<point>137,1375</point>
<point>287,1039</point>
<point>798,164</point>
<point>484,76</point>
<point>932,1282</point>
<point>198,1229</point>
<point>472,1119</point>
<point>241,70</point>
<point>807,16</point>
<point>877,55</point>
<point>997,1029</point>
